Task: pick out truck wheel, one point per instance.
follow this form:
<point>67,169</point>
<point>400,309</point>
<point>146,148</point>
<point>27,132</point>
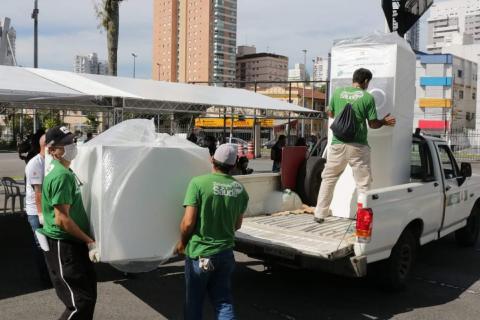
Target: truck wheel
<point>396,270</point>
<point>468,235</point>
<point>309,180</point>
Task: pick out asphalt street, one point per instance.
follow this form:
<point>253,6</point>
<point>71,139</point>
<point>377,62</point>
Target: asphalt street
<point>445,285</point>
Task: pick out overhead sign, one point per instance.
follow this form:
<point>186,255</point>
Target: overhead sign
<point>218,123</point>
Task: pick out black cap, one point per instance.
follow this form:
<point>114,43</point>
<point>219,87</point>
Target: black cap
<point>58,136</point>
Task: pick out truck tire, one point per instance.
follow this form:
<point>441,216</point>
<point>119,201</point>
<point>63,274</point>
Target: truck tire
<point>309,179</point>
<point>468,235</point>
<point>396,270</point>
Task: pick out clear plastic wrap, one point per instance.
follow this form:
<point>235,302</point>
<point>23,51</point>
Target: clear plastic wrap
<point>392,63</point>
<point>133,184</point>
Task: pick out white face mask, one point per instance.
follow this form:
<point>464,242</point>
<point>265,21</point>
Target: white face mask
<point>70,152</point>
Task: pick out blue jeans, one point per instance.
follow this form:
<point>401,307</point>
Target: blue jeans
<point>38,252</point>
<point>215,283</point>
<point>276,166</point>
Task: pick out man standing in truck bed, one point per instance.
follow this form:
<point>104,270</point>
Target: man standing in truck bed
<point>356,153</point>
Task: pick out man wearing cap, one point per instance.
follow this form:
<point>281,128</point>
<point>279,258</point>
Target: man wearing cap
<point>214,206</point>
<point>71,249</point>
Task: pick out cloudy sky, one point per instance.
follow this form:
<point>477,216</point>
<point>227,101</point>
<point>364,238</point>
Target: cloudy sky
<point>69,27</point>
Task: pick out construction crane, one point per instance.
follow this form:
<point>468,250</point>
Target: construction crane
<point>401,15</point>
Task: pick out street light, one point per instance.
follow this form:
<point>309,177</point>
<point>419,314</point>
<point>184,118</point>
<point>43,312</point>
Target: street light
<point>134,57</point>
<point>35,33</point>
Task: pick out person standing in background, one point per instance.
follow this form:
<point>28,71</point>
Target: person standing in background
<point>276,152</point>
<point>34,173</point>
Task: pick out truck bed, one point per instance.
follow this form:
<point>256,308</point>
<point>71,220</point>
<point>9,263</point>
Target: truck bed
<point>289,234</point>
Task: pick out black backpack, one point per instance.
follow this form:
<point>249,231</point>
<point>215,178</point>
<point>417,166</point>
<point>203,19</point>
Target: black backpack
<point>343,127</point>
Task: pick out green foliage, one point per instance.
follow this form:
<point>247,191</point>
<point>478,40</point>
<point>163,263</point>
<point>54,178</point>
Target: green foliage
<point>21,125</point>
<point>50,122</point>
<point>92,121</point>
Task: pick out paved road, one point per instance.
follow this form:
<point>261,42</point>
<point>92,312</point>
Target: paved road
<point>446,285</point>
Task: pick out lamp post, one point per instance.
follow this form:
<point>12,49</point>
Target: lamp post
<point>35,51</point>
<point>134,57</point>
<point>35,33</point>
<point>304,82</point>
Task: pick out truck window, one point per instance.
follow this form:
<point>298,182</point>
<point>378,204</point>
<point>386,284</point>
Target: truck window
<point>421,167</point>
<point>449,165</point>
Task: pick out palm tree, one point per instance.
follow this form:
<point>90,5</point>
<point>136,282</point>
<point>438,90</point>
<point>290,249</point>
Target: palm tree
<point>108,14</point>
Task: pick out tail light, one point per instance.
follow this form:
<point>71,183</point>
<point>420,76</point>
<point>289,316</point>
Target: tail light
<point>364,224</point>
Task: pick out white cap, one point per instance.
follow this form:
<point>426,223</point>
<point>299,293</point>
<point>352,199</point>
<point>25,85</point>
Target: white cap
<point>226,153</point>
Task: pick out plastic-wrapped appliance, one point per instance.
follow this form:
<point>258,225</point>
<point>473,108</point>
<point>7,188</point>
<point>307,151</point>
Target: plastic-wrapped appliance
<point>392,63</point>
<point>133,184</point>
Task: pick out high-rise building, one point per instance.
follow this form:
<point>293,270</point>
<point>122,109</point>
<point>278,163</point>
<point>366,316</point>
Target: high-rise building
<point>8,37</point>
<point>194,40</point>
<point>453,22</point>
<point>298,73</point>
<point>320,70</point>
<point>446,92</point>
<point>413,36</point>
<point>253,66</point>
<point>90,64</point>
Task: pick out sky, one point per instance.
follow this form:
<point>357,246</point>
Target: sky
<point>70,27</point>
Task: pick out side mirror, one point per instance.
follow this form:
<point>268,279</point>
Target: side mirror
<point>466,169</point>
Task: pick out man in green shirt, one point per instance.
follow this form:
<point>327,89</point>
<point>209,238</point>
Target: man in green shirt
<point>357,152</point>
<point>70,249</point>
<point>214,207</point>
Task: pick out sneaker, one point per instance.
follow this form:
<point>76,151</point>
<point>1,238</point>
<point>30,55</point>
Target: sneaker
<point>318,220</point>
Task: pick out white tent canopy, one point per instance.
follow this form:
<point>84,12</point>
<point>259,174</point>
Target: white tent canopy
<point>28,86</point>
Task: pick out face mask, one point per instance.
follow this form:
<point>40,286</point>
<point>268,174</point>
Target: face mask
<point>70,152</point>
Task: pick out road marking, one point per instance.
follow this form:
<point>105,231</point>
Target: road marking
<point>447,285</point>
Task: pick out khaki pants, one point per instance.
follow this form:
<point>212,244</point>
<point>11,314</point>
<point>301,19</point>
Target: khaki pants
<point>339,155</point>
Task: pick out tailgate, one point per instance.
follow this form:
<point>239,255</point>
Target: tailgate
<point>288,234</point>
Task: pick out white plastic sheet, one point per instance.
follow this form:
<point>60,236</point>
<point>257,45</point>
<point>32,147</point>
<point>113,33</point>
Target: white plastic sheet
<point>133,184</point>
<point>392,63</point>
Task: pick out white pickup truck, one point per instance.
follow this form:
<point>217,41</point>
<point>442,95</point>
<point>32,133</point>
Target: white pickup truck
<point>390,224</point>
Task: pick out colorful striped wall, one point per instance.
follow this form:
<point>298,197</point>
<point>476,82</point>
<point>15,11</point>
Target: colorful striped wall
<point>434,103</point>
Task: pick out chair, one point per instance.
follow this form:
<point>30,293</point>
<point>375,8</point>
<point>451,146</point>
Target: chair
<point>12,190</point>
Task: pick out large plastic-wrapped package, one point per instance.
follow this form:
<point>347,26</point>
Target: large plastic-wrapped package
<point>133,184</point>
<point>392,63</point>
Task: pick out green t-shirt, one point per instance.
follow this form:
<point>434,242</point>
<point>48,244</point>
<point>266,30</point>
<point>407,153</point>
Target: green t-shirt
<point>60,187</point>
<point>363,106</point>
<point>220,200</point>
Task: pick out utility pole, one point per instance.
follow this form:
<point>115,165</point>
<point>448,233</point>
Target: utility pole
<point>134,57</point>
<point>35,33</point>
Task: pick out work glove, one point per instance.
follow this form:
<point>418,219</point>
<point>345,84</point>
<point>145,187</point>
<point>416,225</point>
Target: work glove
<point>93,252</point>
<point>40,219</point>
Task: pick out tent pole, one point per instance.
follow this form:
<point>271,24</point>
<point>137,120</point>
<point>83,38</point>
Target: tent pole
<point>288,130</point>
<point>231,125</point>
<point>224,124</point>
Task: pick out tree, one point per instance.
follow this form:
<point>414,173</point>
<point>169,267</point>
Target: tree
<point>108,14</point>
<point>92,121</point>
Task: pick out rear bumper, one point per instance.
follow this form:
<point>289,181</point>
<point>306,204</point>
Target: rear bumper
<point>350,265</point>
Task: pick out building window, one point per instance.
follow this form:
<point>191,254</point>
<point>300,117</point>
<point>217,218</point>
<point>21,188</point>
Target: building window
<point>474,95</point>
<point>460,94</point>
<point>460,73</point>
